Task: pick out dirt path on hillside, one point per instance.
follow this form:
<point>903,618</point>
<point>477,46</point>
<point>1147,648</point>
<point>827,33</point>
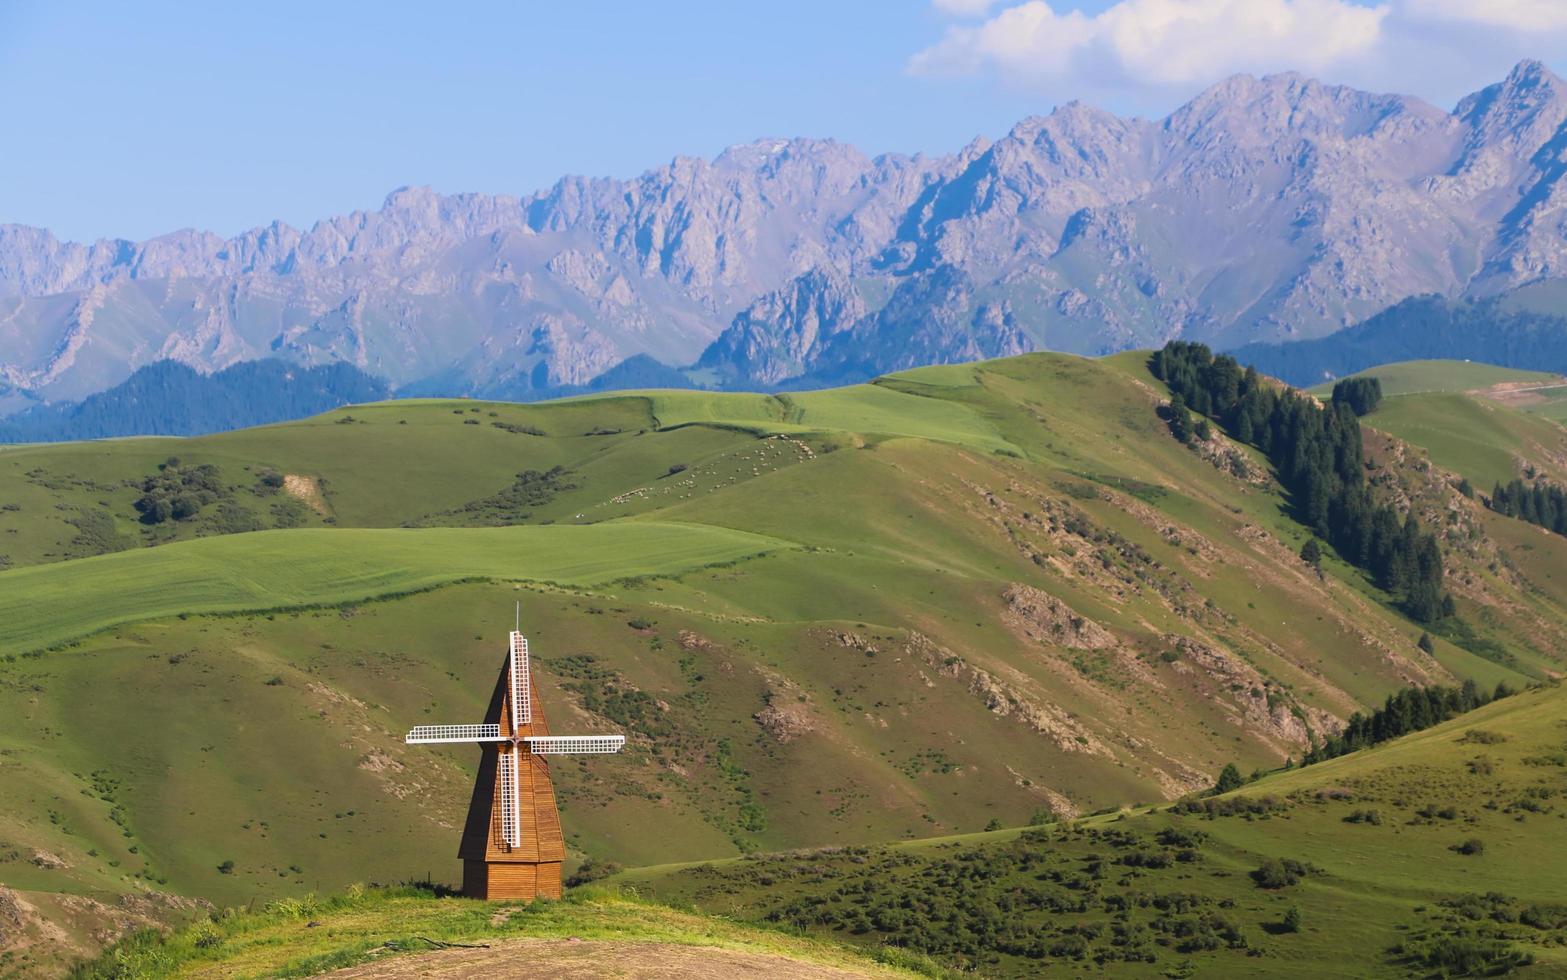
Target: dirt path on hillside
<point>590,959</point>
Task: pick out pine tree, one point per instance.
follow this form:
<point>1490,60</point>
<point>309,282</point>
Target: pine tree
<point>1292,919</point>
<point>1229,778</point>
<point>1180,421</point>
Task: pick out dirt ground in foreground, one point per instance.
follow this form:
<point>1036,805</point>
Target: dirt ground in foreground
<point>590,959</point>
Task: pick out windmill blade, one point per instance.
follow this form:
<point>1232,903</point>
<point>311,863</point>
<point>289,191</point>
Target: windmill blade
<point>521,703</point>
<point>454,733</point>
<point>575,744</point>
<point>511,802</point>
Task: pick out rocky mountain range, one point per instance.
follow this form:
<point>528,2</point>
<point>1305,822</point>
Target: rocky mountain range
<point>1263,210</point>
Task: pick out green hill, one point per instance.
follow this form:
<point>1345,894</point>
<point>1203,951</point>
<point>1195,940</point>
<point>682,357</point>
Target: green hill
<point>278,570</point>
<point>1411,377</point>
<point>847,618</point>
<point>1421,856</point>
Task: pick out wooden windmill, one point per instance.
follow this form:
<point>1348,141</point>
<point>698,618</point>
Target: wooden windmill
<point>512,846</point>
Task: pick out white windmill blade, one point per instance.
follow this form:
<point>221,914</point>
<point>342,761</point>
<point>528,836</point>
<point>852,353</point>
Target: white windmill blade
<point>454,733</point>
<point>575,744</point>
<point>521,704</point>
<point>511,801</point>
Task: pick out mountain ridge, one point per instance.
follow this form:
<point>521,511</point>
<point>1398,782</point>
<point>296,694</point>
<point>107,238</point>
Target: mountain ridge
<point>1264,209</point>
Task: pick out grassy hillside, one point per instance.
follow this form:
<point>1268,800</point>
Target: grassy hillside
<point>1403,859</point>
<point>960,595</point>
<point>1477,420</point>
<point>277,570</point>
<point>1414,377</point>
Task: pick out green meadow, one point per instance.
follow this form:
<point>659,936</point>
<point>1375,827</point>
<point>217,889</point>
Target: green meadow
<point>279,570</point>
<point>981,595</point>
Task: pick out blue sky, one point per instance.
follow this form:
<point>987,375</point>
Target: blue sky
<point>135,119</point>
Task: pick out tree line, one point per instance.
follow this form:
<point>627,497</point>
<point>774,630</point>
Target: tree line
<point>1543,504</point>
<point>1410,710</point>
<point>1361,394</point>
<point>1320,460</point>
<point>169,398</point>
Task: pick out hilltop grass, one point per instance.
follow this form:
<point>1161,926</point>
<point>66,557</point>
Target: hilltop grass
<point>874,409</point>
<point>273,570</point>
<point>1415,377</point>
<point>369,925</point>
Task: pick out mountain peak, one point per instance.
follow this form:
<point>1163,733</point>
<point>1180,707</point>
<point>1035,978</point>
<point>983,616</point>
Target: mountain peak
<point>1529,85</point>
<point>408,198</point>
<point>1530,73</point>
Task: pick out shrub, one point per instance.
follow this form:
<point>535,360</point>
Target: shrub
<point>1292,919</point>
<point>227,867</point>
<point>1478,736</point>
<point>1544,916</point>
<point>1473,845</point>
<point>677,468</point>
<point>178,492</point>
<point>1279,873</point>
<point>1465,956</point>
<point>592,870</point>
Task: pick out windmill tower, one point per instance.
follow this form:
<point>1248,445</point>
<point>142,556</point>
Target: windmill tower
<point>511,845</point>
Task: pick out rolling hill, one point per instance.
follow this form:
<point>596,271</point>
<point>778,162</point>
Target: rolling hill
<point>1419,856</point>
<point>1421,377</point>
<point>962,596</point>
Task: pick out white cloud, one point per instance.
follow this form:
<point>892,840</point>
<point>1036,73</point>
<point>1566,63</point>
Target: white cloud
<point>1159,42</point>
<point>1518,15</point>
<point>962,8</point>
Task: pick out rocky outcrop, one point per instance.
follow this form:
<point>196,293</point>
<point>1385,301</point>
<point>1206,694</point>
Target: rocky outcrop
<point>1253,702</point>
<point>780,335</point>
<point>1046,619</point>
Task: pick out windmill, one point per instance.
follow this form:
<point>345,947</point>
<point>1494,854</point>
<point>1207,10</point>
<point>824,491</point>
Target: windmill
<point>511,845</point>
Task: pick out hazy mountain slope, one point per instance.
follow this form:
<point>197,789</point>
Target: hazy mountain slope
<point>1497,331</point>
<point>169,398</point>
<point>1264,209</point>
